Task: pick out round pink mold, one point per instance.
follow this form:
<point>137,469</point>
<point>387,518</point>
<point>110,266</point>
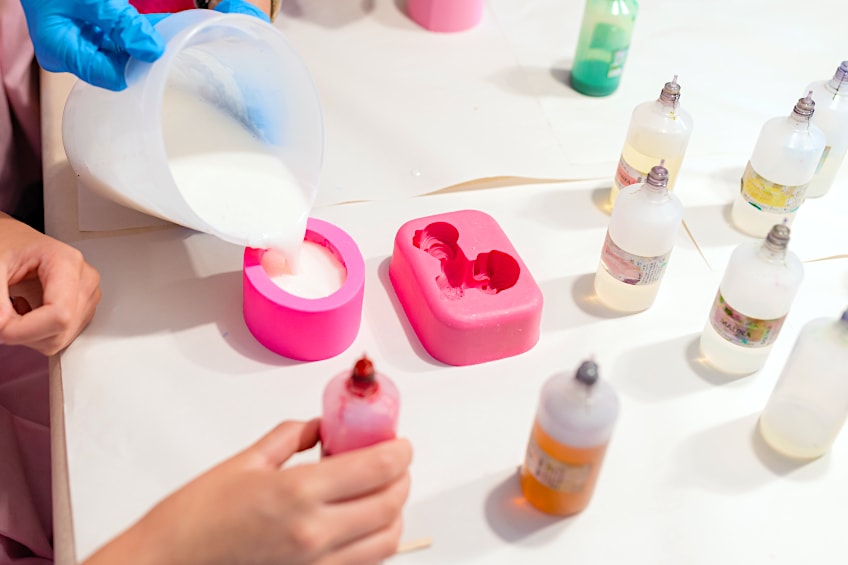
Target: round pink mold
<point>446,15</point>
<point>306,329</point>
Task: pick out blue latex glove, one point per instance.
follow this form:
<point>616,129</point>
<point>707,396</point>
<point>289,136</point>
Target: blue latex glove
<point>93,39</point>
<point>241,7</point>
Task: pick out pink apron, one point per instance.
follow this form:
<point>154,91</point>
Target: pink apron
<point>25,504</point>
<point>26,524</point>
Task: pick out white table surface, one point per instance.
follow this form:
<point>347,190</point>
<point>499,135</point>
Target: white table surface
<point>167,380</point>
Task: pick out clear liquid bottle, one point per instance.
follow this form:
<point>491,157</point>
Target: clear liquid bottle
<point>782,165</point>
<point>753,298</point>
<point>809,404</point>
<point>641,234</point>
<point>573,426</point>
<point>602,46</point>
<point>831,117</point>
<point>360,408</point>
<point>659,130</point>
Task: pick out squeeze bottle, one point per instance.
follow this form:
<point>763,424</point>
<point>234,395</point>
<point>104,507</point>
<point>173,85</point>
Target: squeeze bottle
<point>782,164</point>
<point>808,406</point>
<point>642,229</point>
<point>573,425</point>
<point>753,298</point>
<point>659,130</point>
<point>831,117</point>
<point>360,408</point>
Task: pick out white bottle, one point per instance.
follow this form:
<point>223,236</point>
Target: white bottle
<point>782,164</point>
<point>831,117</point>
<point>641,234</point>
<point>659,130</point>
<point>754,296</point>
<point>809,404</point>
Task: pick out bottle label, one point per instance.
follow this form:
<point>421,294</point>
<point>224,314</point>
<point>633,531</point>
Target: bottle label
<point>823,158</point>
<point>632,269</point>
<point>615,40</point>
<point>619,56</point>
<point>555,474</point>
<point>739,329</point>
<point>769,196</point>
<point>627,174</point>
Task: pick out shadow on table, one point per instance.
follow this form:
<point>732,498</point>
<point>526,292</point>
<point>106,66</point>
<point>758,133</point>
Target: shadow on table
<point>638,374</point>
<point>702,368</point>
<point>569,209</point>
<point>732,458</point>
<point>187,291</point>
<point>583,293</point>
<point>570,303</point>
<point>514,520</point>
<point>395,345</point>
<point>471,519</point>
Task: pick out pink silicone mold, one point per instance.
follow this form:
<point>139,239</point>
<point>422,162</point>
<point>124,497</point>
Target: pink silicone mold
<point>464,288</point>
<point>446,15</point>
<point>306,329</point>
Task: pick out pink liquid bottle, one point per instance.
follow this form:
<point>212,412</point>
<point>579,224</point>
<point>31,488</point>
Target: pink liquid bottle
<point>360,409</point>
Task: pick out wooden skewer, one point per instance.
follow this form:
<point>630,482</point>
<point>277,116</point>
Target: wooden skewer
<point>414,545</point>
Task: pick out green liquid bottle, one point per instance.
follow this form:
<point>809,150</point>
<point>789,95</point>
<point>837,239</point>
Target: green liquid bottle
<point>603,44</point>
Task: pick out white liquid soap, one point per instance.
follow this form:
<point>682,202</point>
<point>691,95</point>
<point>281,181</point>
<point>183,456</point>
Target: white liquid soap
<point>231,179</point>
<point>319,273</point>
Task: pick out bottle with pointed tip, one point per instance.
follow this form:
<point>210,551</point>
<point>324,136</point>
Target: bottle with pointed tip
<point>809,403</point>
<point>831,117</point>
<point>754,296</point>
<point>784,160</point>
<point>642,230</point>
<point>360,408</point>
<point>573,426</point>
<point>659,129</point>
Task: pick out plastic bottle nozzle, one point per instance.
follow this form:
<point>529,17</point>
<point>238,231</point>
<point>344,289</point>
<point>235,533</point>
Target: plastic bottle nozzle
<point>658,176</point>
<point>806,106</point>
<point>778,237</point>
<point>362,380</point>
<point>840,77</point>
<point>670,92</point>
<point>587,373</point>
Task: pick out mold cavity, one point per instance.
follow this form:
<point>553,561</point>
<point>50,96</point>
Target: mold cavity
<point>489,272</point>
<point>321,270</point>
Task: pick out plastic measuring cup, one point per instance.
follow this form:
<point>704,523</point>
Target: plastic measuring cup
<point>241,65</point>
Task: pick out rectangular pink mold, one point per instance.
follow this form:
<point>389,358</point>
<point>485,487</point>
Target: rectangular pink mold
<point>466,292</point>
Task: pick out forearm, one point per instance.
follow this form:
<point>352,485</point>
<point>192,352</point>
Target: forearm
<point>136,546</point>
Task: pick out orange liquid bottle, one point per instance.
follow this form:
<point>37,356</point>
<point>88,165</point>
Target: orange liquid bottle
<point>573,426</point>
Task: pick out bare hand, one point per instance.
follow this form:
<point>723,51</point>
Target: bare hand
<point>342,510</point>
<point>70,289</point>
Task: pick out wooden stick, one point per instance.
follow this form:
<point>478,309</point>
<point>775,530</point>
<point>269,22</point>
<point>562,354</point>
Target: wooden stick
<point>414,545</point>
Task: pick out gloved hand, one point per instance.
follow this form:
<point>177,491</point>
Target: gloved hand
<point>241,7</point>
<point>92,39</point>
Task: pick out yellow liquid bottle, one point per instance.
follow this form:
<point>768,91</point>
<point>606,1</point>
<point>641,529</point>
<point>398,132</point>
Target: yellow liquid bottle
<point>573,426</point>
<point>659,131</point>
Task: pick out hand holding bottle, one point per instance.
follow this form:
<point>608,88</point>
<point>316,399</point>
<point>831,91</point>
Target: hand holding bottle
<point>344,509</point>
